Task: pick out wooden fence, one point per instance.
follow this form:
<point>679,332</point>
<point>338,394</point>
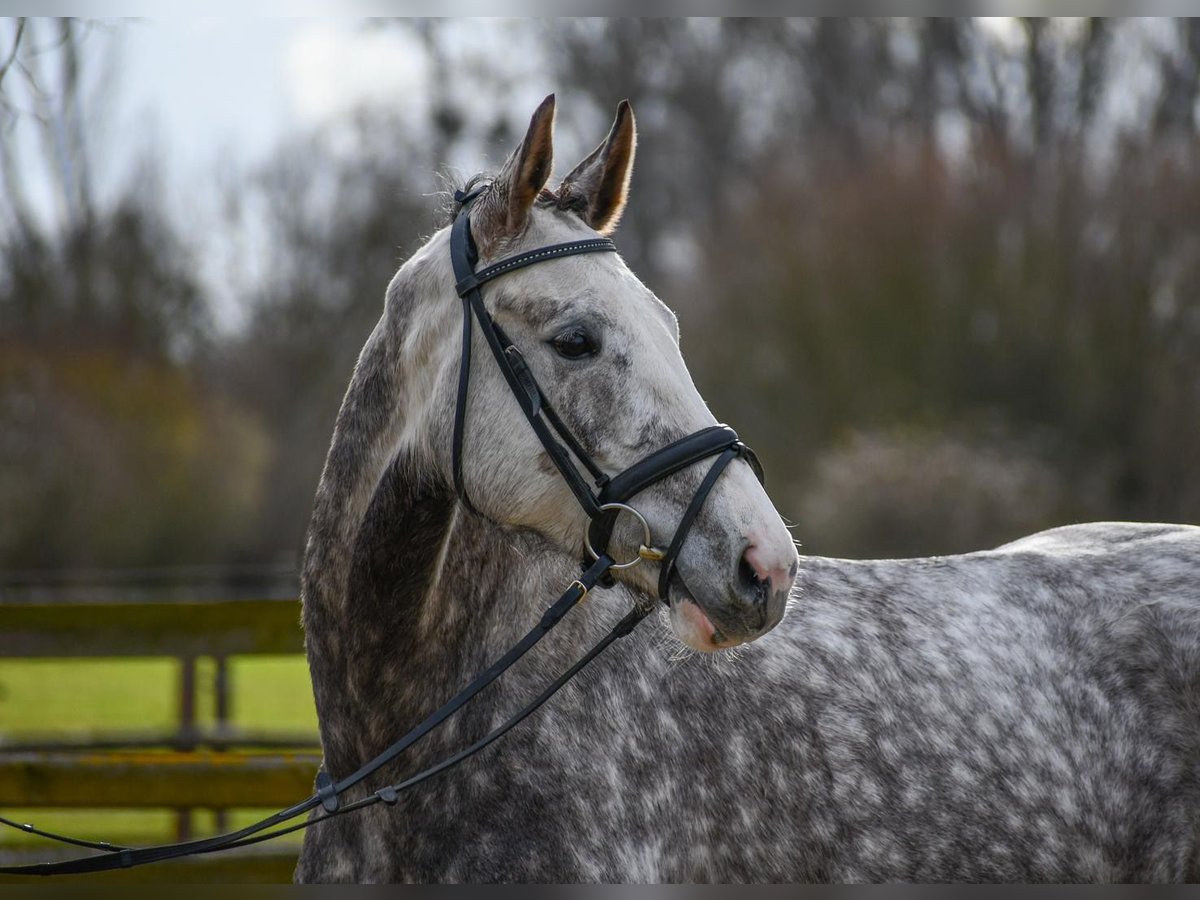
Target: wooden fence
<point>189,767</point>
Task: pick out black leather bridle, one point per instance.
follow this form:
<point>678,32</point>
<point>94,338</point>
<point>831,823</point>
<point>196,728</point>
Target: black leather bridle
<point>610,495</point>
<point>602,504</point>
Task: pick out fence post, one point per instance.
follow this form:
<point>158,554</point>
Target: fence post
<point>221,712</point>
<point>187,732</point>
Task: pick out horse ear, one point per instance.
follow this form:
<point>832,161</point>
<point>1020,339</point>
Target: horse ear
<point>526,172</point>
<point>601,181</point>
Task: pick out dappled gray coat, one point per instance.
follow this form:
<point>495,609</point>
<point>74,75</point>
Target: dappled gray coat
<point>1028,713</point>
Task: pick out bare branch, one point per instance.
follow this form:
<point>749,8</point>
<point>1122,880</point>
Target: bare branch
<point>12,53</point>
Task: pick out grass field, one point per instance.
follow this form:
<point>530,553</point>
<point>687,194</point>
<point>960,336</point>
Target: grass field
<point>47,696</point>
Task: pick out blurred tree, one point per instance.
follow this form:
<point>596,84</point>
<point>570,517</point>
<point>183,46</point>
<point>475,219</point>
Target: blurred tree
<point>930,268</point>
<point>113,450</point>
<point>42,83</point>
<point>111,462</point>
<point>981,302</point>
<point>123,280</point>
<point>905,490</point>
<point>330,227</point>
<point>913,230</point>
<point>1175,111</point>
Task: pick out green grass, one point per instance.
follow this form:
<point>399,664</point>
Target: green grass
<point>272,692</point>
<point>45,697</point>
<point>50,695</point>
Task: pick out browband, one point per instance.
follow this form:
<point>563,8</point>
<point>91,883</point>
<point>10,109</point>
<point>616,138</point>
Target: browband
<point>528,258</point>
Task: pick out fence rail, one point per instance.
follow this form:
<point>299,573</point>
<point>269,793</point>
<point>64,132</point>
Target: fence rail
<point>141,780</point>
<point>219,737</point>
<point>189,767</point>
<point>148,628</point>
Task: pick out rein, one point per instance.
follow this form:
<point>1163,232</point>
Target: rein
<point>602,503</point>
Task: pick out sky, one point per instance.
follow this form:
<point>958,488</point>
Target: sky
<point>219,90</point>
<point>210,92</point>
<point>215,93</point>
<point>225,90</point>
<point>207,96</point>
<point>222,92</point>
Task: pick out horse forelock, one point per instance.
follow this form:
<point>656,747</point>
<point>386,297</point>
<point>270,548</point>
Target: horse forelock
<point>565,199</point>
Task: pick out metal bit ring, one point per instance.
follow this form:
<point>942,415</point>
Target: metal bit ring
<point>646,543</point>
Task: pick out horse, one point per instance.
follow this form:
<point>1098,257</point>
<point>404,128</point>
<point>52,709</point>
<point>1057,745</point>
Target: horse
<point>1030,712</point>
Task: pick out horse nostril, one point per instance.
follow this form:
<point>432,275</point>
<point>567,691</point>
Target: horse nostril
<point>748,578</point>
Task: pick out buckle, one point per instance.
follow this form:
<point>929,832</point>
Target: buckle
<point>326,792</point>
<point>464,197</point>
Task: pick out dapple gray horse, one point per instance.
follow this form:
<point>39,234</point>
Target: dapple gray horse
<point>1030,712</point>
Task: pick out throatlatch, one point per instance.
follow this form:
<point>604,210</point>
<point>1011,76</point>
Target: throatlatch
<point>602,504</point>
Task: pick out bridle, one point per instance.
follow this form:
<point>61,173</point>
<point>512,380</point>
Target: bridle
<point>602,504</point>
<point>610,496</point>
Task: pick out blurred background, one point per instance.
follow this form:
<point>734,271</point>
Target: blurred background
<point>943,274</point>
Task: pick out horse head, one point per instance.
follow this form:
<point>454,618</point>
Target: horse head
<point>606,352</point>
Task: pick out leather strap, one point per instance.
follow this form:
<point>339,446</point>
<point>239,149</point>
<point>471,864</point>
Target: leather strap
<point>473,280</point>
<point>540,413</point>
<point>668,460</point>
<point>512,365</point>
<point>672,458</point>
<point>667,565</point>
<point>327,793</point>
<point>391,793</point>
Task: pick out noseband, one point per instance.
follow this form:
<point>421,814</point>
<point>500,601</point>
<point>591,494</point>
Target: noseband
<point>610,496</point>
<point>602,503</point>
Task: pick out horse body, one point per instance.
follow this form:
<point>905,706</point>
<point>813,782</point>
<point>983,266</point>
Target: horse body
<point>1026,713</point>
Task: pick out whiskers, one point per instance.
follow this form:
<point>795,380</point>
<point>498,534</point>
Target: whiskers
<point>791,526</point>
<point>665,643</point>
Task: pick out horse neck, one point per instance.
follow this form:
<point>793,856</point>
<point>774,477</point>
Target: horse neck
<point>405,596</point>
<point>362,449</point>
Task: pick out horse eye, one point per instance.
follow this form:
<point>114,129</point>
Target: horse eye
<point>574,344</point>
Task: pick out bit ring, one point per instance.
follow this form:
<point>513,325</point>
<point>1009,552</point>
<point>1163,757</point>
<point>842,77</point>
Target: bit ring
<point>643,551</point>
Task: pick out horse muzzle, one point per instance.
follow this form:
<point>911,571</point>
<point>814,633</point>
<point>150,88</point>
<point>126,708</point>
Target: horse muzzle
<point>749,611</point>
